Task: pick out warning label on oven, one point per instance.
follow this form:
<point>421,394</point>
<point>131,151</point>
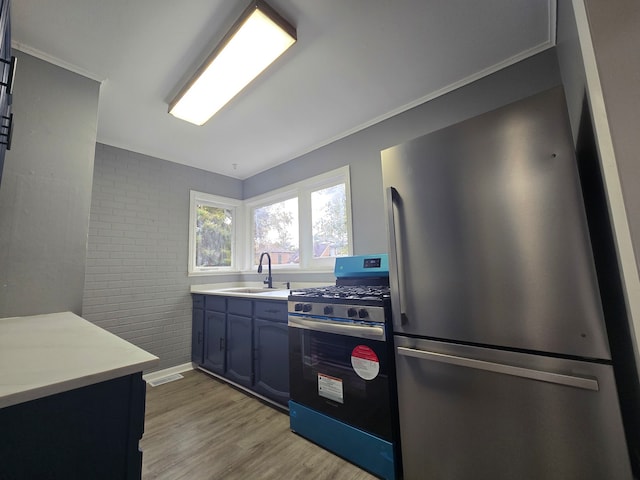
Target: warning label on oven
<point>365,362</point>
<point>330,387</point>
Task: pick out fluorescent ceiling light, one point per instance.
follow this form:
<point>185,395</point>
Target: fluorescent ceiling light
<point>257,38</point>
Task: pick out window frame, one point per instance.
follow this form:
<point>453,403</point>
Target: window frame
<point>201,198</point>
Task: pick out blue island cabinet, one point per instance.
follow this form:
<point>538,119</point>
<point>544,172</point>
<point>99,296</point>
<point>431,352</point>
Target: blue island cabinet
<point>90,432</point>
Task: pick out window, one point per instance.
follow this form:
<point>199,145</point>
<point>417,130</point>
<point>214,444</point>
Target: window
<point>329,222</point>
<point>275,228</point>
<point>303,226</point>
<point>212,233</point>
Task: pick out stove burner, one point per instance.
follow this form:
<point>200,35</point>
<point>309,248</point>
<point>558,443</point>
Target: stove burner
<point>344,292</point>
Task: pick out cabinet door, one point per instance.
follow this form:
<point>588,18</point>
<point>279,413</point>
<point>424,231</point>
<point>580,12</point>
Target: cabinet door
<point>271,365</point>
<point>239,350</point>
<point>214,347</point>
<point>197,336</point>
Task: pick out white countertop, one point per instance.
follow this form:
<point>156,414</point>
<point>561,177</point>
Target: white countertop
<point>265,295</point>
<point>260,292</point>
<point>47,354</point>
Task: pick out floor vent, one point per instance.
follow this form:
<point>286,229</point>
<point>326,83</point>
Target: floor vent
<point>163,380</point>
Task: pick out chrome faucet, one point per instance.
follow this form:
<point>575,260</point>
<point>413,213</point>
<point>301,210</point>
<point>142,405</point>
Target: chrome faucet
<point>269,280</point>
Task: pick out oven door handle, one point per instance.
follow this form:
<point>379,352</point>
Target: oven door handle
<point>372,332</point>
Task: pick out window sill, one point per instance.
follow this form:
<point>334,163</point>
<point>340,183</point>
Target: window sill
<point>213,273</point>
<point>287,270</point>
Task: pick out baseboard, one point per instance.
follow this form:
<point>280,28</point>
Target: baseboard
<point>185,367</point>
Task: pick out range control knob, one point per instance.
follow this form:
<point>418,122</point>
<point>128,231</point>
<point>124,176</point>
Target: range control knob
<point>352,312</point>
<point>328,309</point>
<point>362,313</point>
<point>306,307</point>
<point>297,307</point>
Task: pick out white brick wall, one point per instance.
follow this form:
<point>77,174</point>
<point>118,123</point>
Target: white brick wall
<point>136,282</point>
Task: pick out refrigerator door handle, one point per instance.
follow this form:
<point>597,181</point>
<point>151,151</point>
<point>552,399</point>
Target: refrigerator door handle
<point>399,317</point>
<point>550,377</point>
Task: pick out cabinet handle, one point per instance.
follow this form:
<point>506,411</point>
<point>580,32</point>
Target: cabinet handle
<point>12,73</point>
<point>221,343</point>
<point>199,338</point>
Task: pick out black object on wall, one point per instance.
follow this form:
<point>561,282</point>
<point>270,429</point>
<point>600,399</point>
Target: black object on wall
<point>7,74</point>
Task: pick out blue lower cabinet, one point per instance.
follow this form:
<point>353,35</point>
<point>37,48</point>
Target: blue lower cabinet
<point>197,336</point>
<point>239,350</point>
<point>197,329</point>
<point>215,333</point>
<point>271,362</point>
<point>245,341</point>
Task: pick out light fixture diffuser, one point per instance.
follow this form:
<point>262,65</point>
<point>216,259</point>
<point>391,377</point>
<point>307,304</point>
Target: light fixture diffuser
<point>257,38</point>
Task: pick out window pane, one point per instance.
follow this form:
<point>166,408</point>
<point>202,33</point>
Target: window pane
<point>276,232</point>
<point>329,217</point>
<point>214,228</point>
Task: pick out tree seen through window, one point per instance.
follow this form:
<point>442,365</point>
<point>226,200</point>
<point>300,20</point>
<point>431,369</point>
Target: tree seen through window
<point>214,229</point>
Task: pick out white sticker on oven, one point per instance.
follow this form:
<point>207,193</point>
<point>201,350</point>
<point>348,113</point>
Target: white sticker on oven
<point>330,387</point>
<point>365,362</point>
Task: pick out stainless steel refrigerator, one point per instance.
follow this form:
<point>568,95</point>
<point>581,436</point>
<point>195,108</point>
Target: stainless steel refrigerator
<point>503,364</point>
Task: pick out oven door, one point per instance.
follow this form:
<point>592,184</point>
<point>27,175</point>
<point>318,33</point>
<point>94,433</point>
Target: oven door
<point>341,370</point>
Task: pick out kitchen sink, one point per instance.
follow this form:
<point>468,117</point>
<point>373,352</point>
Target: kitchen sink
<point>246,290</point>
<point>253,291</point>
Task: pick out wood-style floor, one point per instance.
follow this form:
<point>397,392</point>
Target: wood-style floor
<point>199,427</point>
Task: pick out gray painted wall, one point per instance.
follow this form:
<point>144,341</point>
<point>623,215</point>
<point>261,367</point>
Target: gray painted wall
<point>362,150</point>
<point>46,190</point>
<point>136,282</point>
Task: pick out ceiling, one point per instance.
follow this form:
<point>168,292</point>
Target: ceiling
<point>356,62</point>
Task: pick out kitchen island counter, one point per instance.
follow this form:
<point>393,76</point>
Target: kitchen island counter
<point>72,399</point>
<point>47,354</point>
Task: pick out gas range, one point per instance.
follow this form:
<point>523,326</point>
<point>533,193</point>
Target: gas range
<point>361,293</point>
<point>342,370</point>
